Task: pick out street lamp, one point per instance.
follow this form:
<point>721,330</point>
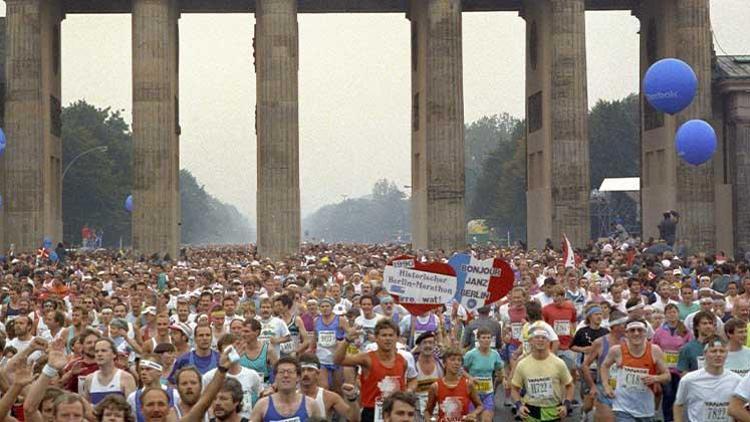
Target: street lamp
<point>103,148</point>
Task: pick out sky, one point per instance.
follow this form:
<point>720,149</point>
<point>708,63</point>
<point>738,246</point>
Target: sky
<point>354,88</point>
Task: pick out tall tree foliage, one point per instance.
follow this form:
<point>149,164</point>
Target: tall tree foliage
<point>95,187</point>
<point>380,217</point>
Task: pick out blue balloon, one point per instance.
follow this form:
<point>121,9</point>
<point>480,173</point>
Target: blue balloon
<point>670,85</point>
<point>47,242</point>
<point>53,256</point>
<point>2,142</point>
<point>129,203</point>
<point>695,142</point>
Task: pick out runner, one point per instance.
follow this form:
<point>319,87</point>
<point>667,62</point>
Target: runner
<point>286,403</point>
<point>691,356</point>
<point>455,392</point>
<point>328,401</point>
<point>582,344</point>
<point>273,330</point>
<point>256,355</point>
<point>706,392</point>
<point>429,369</point>
<point>328,329</point>
<point>107,379</point>
<point>594,360</point>
<point>671,337</point>
<point>251,384</point>
<point>299,341</point>
<point>383,370</point>
<point>485,368</point>
<point>738,356</point>
<point>641,366</point>
<point>400,407</point>
<point>545,379</point>
<point>202,357</point>
<point>149,372</point>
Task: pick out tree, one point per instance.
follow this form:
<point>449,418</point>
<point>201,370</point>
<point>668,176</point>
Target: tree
<point>95,187</point>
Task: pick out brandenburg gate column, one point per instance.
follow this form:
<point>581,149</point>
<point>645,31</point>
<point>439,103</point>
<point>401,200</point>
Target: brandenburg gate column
<point>156,129</point>
<point>277,126</point>
<point>556,122</point>
<point>681,29</point>
<point>32,194</point>
<point>437,125</point>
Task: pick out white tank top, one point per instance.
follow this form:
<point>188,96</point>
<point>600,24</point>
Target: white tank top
<point>98,392</point>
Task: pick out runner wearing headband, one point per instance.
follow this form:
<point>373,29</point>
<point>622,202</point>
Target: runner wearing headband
<point>706,392</point>
<point>149,372</point>
<point>546,381</point>
<point>641,368</point>
<point>328,401</point>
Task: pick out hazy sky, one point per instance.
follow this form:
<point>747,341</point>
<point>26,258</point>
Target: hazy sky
<point>354,97</point>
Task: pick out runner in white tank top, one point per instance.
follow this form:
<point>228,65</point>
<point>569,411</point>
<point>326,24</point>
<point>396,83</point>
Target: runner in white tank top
<point>327,401</point>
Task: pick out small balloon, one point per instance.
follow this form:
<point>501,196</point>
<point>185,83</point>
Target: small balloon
<point>670,85</point>
<point>695,142</point>
<point>47,242</point>
<point>129,203</point>
<point>53,256</point>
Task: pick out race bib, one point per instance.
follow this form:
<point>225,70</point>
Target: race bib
<point>422,396</point>
<point>671,358</point>
<point>327,338</point>
<point>287,348</point>
<point>294,419</point>
<point>484,385</point>
<point>562,328</point>
<point>378,417</point>
<point>632,378</point>
<point>540,388</point>
<point>515,330</point>
<point>715,412</point>
<point>452,408</point>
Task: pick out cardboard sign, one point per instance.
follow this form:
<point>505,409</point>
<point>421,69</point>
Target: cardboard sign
<point>480,282</point>
<point>419,287</point>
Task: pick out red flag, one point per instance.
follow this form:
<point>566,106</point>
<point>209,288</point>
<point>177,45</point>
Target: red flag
<point>568,255</point>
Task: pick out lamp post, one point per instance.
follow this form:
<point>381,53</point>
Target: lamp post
<point>70,164</point>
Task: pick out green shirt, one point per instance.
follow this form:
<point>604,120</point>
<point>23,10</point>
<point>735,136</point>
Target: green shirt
<point>689,357</point>
<point>687,310</point>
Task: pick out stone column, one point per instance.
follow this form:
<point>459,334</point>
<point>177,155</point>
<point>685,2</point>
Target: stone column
<point>738,134</point>
<point>558,182</point>
<point>277,127</point>
<point>156,130</point>
<point>32,194</point>
<point>680,29</point>
<point>438,220</point>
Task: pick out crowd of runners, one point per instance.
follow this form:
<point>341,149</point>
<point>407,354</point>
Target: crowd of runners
<point>220,334</point>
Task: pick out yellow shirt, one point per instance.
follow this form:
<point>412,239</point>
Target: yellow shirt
<point>543,380</point>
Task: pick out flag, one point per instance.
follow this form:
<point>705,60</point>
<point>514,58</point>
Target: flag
<point>568,255</point>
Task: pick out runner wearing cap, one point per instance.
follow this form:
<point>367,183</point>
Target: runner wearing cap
<point>429,369</point>
<point>594,360</point>
<point>706,393</point>
<point>328,328</point>
<point>485,368</point>
<point>545,379</point>
<point>328,401</point>
<point>180,335</point>
<point>641,367</point>
<point>454,392</point>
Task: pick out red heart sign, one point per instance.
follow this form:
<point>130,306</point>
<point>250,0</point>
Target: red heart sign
<point>409,262</point>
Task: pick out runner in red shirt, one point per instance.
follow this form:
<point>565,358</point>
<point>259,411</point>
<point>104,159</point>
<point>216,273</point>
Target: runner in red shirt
<point>561,315</point>
<point>454,393</point>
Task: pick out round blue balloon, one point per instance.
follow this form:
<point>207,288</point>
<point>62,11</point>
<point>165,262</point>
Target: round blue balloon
<point>670,85</point>
<point>53,256</point>
<point>129,203</point>
<point>695,142</point>
<point>47,242</point>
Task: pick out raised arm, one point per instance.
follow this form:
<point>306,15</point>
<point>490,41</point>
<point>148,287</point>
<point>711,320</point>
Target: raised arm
<point>341,358</point>
<point>21,378</point>
<point>198,411</point>
<point>56,361</point>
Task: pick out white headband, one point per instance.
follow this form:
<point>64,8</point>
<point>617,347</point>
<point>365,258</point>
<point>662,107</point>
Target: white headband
<point>145,363</point>
<point>618,321</point>
<point>310,365</point>
<point>636,307</point>
<point>635,324</point>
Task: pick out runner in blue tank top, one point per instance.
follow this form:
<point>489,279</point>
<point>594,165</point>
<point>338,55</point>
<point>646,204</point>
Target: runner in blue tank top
<point>286,404</point>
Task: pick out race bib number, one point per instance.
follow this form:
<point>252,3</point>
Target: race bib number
<point>287,348</point>
<point>452,408</point>
<point>422,396</point>
<point>671,358</point>
<point>327,338</point>
<point>378,417</point>
<point>484,385</point>
<point>540,388</point>
<point>562,328</point>
<point>715,412</point>
<point>515,330</point>
<point>294,419</point>
<point>632,378</point>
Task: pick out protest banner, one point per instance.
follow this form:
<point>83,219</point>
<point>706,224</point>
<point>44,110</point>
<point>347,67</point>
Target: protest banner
<point>417,286</point>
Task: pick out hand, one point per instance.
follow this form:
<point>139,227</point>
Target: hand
<point>76,368</point>
<point>650,379</point>
<point>353,333</point>
<point>523,412</point>
<point>349,391</point>
<point>470,418</point>
<point>22,376</point>
<point>608,391</point>
<point>56,356</point>
<point>562,411</point>
<point>38,344</point>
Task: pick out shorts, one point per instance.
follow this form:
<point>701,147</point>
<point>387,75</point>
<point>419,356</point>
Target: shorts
<point>542,414</point>
<point>601,397</point>
<point>488,401</point>
<point>624,417</point>
<point>585,389</point>
<point>569,357</point>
